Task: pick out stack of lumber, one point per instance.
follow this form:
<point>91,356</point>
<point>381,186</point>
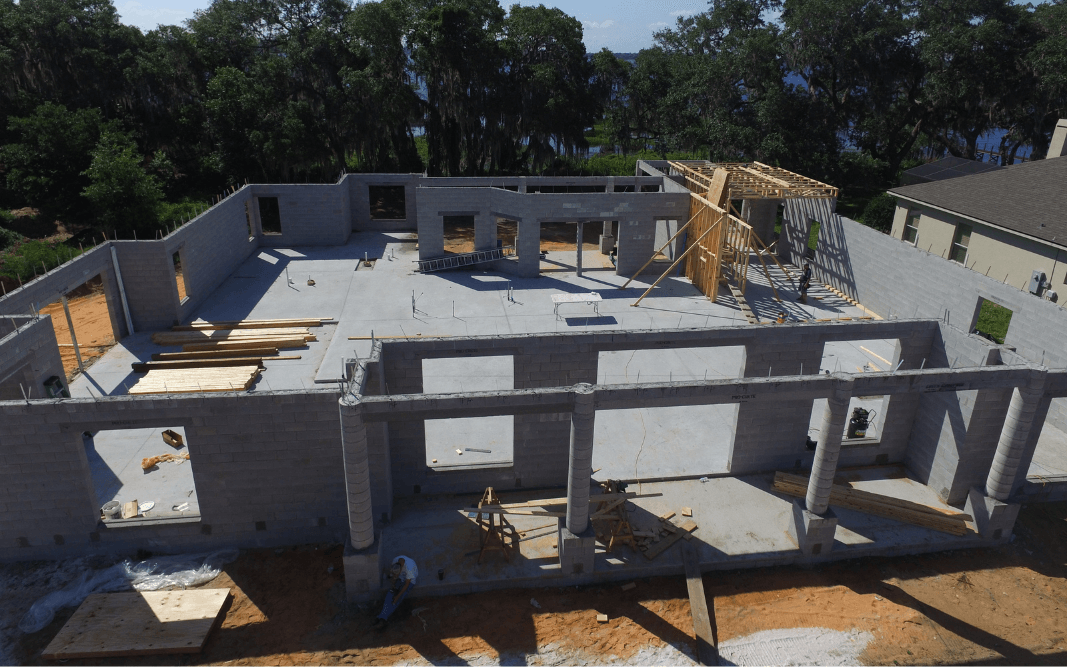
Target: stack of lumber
<point>145,366</point>
<point>181,380</point>
<point>221,339</point>
<point>905,511</point>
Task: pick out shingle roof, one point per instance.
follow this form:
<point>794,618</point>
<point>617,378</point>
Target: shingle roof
<point>1030,198</point>
<point>946,167</point>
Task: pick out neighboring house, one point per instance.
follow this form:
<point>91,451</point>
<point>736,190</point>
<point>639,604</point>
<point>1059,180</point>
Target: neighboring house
<point>946,167</point>
<point>1006,224</point>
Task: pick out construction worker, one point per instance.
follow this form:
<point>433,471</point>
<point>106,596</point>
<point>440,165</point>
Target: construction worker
<point>403,573</point>
<point>805,283</point>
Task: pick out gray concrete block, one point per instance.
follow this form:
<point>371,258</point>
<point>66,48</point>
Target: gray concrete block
<point>814,533</point>
<point>993,518</point>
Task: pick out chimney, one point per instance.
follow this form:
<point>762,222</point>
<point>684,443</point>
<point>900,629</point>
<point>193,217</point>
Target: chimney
<point>1058,147</point>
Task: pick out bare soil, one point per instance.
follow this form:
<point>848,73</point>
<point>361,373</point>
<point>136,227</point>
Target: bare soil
<point>92,325</point>
<point>993,606</point>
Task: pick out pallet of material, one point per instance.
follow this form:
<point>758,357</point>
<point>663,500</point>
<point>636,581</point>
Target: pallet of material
<point>145,366</point>
<point>192,380</point>
<point>139,623</point>
<point>898,509</point>
<point>216,354</point>
<point>280,343</point>
<point>182,337</point>
<point>201,325</point>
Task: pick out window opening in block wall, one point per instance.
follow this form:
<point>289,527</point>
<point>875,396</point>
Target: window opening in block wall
<point>632,443</point>
<point>469,442</point>
<point>165,489</point>
<point>248,222</point>
<point>179,277</point>
<point>270,215</point>
<point>458,233</point>
<point>93,325</point>
<point>911,227</point>
<point>993,321</point>
<point>387,202</point>
<point>857,356</point>
<point>960,241</point>
<point>649,188</point>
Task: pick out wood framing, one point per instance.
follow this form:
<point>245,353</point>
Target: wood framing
<point>752,180</point>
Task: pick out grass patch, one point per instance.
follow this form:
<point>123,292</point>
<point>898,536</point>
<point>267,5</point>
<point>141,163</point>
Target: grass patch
<point>993,321</point>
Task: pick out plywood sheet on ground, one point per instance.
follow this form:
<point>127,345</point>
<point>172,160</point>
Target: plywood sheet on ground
<point>185,380</point>
<point>139,623</point>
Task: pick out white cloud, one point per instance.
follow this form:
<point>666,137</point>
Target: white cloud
<point>603,24</point>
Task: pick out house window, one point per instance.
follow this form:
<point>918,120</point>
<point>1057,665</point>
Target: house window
<point>960,243</point>
<point>911,228</point>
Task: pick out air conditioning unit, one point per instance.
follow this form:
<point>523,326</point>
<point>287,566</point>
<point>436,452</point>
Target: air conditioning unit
<point>1051,296</point>
<point>1037,281</point>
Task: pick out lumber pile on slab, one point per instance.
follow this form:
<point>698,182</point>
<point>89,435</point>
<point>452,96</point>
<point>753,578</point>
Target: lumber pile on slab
<point>669,534</point>
<point>216,354</point>
<point>145,366</point>
<point>144,623</point>
<point>182,380</point>
<point>231,335</point>
<point>905,511</point>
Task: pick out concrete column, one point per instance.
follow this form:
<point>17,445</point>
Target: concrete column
<point>607,238</point>
<point>581,459</point>
<point>829,446</point>
<point>484,231</point>
<point>761,215</point>
<point>528,248</point>
<point>1014,436</point>
<point>578,263</point>
<point>357,472</point>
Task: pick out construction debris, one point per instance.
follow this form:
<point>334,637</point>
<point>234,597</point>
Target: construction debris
<point>153,461</point>
<point>173,439</point>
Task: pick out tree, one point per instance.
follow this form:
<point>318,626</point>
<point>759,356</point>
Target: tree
<point>860,63</point>
<point>546,85</point>
<point>51,149</point>
<point>123,196</point>
<point>973,52</point>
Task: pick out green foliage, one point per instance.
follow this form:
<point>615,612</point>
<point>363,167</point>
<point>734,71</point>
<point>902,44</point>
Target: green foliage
<point>26,258</point>
<point>8,238</point>
<point>168,213</point>
<point>879,212</point>
<point>123,196</point>
<point>993,320</point>
<point>51,149</point>
<point>813,235</point>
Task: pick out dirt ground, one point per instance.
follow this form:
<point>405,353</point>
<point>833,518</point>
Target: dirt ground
<point>92,325</point>
<point>991,606</point>
<point>459,236</point>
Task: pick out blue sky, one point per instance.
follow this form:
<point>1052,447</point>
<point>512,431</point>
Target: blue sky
<point>620,25</point>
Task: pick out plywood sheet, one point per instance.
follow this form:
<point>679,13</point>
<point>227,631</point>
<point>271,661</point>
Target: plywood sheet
<point>148,623</point>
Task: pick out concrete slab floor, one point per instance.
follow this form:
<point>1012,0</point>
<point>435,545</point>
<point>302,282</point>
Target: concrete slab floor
<point>741,523</point>
<point>115,464</point>
<point>1050,458</point>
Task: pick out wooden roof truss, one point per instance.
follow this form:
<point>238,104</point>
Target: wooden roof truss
<point>752,180</point>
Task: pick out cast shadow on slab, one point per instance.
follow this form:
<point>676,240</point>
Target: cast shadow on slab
<point>602,321</point>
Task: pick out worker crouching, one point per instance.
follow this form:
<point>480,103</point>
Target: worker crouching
<point>403,572</point>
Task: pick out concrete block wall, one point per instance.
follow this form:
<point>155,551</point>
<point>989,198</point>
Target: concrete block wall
<point>896,279</point>
<point>61,280</point>
<point>151,291</point>
<point>358,187</point>
<point>311,214</point>
<point>29,355</point>
<point>212,246</point>
<point>267,458</point>
<point>635,211</point>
